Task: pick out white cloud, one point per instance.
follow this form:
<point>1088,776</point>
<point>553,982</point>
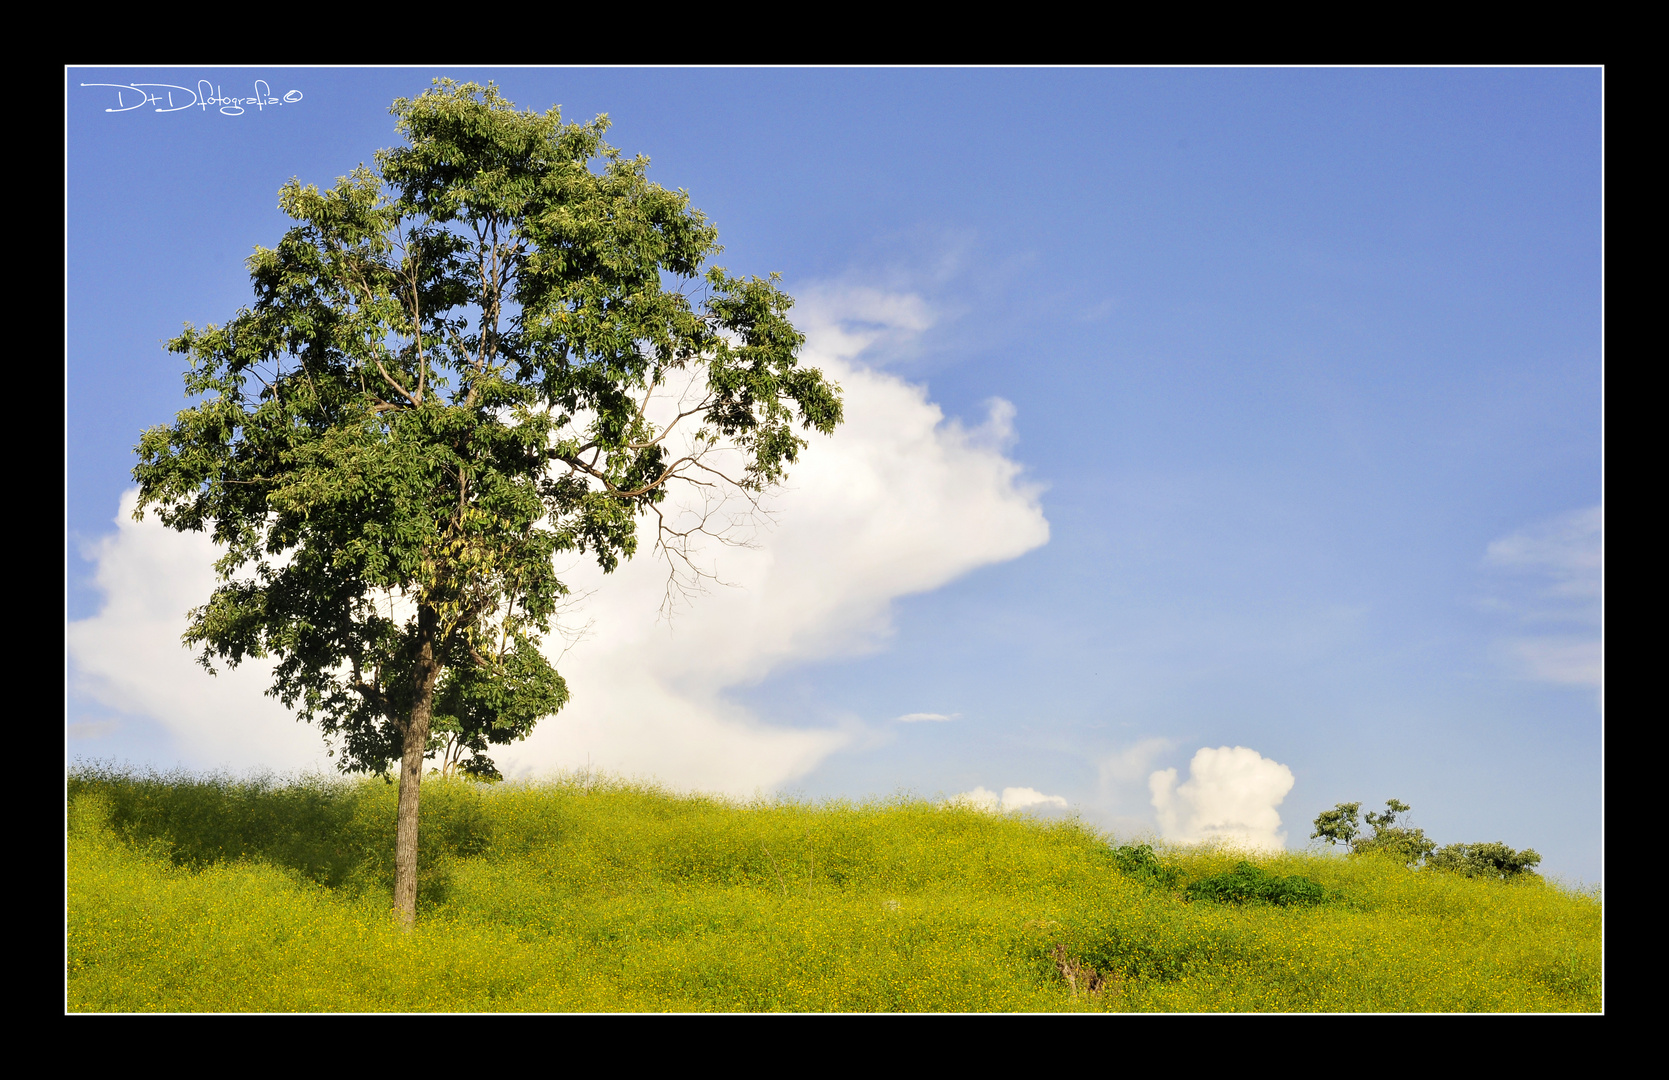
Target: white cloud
<point>978,799</point>
<point>1230,795</point>
<point>1012,798</point>
<point>129,657</point>
<point>926,717</point>
<point>899,501</point>
<point>849,320</point>
<point>1018,798</point>
<point>1559,571</point>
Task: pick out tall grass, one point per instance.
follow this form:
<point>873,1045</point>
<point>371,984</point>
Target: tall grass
<point>214,894</point>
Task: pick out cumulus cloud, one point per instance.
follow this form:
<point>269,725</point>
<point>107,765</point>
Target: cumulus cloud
<point>1230,795</point>
<point>900,500</point>
<point>129,657</point>
<point>1012,798</point>
<point>1553,578</point>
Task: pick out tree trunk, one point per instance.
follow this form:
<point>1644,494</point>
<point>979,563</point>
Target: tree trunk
<point>414,740</point>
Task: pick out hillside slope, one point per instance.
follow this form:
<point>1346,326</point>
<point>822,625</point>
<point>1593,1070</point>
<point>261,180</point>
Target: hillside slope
<point>209,894</point>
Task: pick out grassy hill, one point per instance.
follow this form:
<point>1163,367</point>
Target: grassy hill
<point>211,894</point>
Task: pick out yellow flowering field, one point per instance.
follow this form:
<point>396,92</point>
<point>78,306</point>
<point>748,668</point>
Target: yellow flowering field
<point>188,894</point>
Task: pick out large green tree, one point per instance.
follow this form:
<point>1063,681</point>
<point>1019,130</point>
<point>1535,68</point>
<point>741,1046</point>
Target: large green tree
<point>500,344</point>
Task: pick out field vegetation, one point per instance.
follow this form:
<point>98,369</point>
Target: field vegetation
<point>217,894</point>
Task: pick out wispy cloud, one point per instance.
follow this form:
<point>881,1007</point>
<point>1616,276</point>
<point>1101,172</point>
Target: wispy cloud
<point>91,729</point>
<point>1566,661</point>
<point>926,717</point>
<point>851,320</point>
<point>1551,576</point>
<point>1126,769</point>
<point>1567,553</point>
<point>1121,794</point>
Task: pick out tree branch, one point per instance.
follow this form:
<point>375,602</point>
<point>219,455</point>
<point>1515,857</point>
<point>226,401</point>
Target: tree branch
<point>403,391</point>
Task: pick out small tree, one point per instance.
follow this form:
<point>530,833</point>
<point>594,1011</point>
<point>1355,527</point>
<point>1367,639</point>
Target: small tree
<point>1338,825</point>
<point>458,365</point>
<point>1408,845</point>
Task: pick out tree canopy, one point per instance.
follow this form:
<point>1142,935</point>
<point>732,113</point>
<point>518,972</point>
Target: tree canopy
<point>1339,825</point>
<point>500,344</point>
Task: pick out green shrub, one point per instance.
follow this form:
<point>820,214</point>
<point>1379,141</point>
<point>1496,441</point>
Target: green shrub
<point>1139,862</point>
<point>1497,860</point>
<point>1407,846</point>
<point>1250,884</point>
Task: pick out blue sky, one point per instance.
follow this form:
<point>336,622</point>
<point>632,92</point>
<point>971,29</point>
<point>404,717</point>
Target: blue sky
<point>1203,410</point>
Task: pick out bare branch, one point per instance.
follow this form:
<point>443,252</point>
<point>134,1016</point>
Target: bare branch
<point>686,578</point>
<point>703,407</point>
<point>403,391</point>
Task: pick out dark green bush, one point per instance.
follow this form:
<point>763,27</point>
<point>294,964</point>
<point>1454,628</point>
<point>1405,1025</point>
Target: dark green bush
<point>1495,860</point>
<point>1139,862</point>
<point>1249,884</point>
<point>1407,846</point>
